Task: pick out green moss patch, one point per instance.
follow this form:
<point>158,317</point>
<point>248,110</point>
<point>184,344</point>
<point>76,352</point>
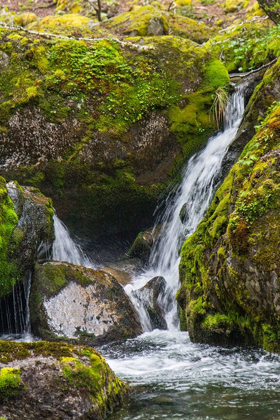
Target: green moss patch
<point>226,263</point>
<point>8,221</point>
<point>246,46</point>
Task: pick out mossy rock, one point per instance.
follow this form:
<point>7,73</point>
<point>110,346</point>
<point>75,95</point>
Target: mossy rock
<point>26,223</point>
<point>68,381</point>
<point>229,267</point>
<point>103,124</point>
<point>80,305</point>
<point>154,20</point>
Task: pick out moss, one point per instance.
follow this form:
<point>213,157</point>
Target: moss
<point>218,323</point>
<point>237,237</point>
<point>8,221</point>
<point>109,92</point>
<point>10,383</point>
<point>86,373</point>
<point>246,46</point>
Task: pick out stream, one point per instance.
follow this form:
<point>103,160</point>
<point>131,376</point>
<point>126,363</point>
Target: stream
<point>177,379</point>
<point>173,378</point>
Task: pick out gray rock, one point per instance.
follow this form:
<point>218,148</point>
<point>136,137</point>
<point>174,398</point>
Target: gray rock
<point>156,27</point>
<point>57,381</point>
<point>80,304</point>
<point>150,297</point>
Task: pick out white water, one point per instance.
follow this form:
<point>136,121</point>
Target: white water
<point>17,318</point>
<point>65,249</point>
<point>200,178</point>
<point>179,380</point>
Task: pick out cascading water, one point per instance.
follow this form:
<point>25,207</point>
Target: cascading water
<point>199,181</point>
<point>65,249</point>
<point>15,313</point>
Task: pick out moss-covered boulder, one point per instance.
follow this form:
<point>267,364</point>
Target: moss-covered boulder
<point>50,380</point>
<point>25,224</point>
<point>81,305</point>
<point>103,125</point>
<point>155,20</point>
<point>230,269</point>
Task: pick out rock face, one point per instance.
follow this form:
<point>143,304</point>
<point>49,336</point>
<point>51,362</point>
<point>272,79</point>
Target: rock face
<point>26,224</point>
<point>55,381</point>
<point>230,270</point>
<point>79,304</point>
<point>106,125</point>
<point>150,297</point>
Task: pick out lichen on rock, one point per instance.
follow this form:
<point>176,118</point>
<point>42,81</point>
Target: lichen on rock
<point>80,305</point>
<point>67,382</point>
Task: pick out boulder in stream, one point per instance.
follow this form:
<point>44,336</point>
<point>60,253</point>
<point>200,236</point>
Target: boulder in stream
<point>80,305</point>
<point>150,296</point>
<point>42,380</point>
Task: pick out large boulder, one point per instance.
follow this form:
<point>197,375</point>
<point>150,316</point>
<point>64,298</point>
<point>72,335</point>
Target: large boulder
<point>56,381</point>
<point>102,125</point>
<point>81,305</point>
<point>230,268</point>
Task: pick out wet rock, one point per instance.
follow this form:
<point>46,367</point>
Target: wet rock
<point>81,305</point>
<point>263,89</point>
<point>151,296</point>
<point>34,230</point>
<point>56,381</point>
<point>229,270</point>
<point>184,213</point>
<point>26,225</point>
<point>141,247</point>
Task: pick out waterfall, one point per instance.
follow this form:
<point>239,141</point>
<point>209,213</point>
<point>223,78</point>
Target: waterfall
<point>65,249</point>
<point>199,180</point>
<point>15,313</point>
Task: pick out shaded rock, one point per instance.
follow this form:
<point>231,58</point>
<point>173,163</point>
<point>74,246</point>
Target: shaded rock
<point>150,297</point>
<point>81,305</point>
<point>184,213</point>
<point>26,225</point>
<point>97,147</point>
<point>142,245</point>
<point>56,381</point>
